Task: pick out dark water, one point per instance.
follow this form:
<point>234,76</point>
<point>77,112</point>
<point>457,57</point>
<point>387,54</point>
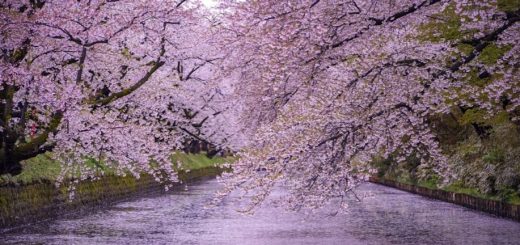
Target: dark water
<point>389,216</point>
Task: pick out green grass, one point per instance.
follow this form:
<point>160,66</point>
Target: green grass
<point>514,199</point>
<point>458,188</point>
<point>199,161</point>
<point>510,197</point>
<point>37,169</point>
<point>44,169</point>
<point>430,184</point>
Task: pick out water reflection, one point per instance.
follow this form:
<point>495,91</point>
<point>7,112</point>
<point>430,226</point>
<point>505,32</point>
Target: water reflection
<point>389,217</point>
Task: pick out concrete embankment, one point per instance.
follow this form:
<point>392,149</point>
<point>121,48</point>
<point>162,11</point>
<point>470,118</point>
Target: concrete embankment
<point>26,204</point>
<point>497,208</point>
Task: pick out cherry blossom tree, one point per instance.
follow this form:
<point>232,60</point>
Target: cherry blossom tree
<point>122,82</point>
<point>310,91</point>
<point>335,84</point>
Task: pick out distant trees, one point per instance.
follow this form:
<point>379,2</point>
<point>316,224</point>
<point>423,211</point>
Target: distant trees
<point>336,84</point>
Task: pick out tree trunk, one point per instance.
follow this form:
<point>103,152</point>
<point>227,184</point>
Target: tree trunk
<point>8,164</point>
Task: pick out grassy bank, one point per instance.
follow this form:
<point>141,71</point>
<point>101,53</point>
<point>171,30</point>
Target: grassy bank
<point>43,168</point>
<point>494,207</point>
<point>510,197</point>
<point>32,195</point>
<point>199,161</point>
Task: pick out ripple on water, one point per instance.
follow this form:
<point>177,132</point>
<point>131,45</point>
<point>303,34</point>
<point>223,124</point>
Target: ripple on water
<point>388,216</point>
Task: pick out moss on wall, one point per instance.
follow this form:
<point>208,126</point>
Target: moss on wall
<point>496,207</point>
<point>40,201</point>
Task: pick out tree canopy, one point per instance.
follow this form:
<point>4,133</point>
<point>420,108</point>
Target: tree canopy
<point>310,93</point>
<point>337,84</point>
<point>123,82</point>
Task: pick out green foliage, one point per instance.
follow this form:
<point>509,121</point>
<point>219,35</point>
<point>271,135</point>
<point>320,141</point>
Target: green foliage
<point>492,53</point>
<point>198,161</point>
<point>38,169</point>
<point>444,26</point>
<point>479,116</point>
<point>126,53</point>
<point>44,169</point>
<point>465,49</point>
<point>459,187</point>
<point>382,165</point>
<point>473,78</point>
<point>513,198</point>
<point>98,165</point>
<point>508,5</point>
<point>468,148</point>
<point>473,116</point>
<point>494,156</point>
<point>486,167</point>
<point>500,118</point>
<point>505,135</point>
<point>34,201</point>
<point>483,149</point>
<point>432,182</point>
<point>509,195</point>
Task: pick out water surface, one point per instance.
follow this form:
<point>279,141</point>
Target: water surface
<point>389,216</point>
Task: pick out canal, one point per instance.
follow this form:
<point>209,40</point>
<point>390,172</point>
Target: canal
<point>384,216</point>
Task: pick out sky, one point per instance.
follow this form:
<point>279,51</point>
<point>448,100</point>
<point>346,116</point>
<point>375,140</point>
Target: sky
<point>210,3</point>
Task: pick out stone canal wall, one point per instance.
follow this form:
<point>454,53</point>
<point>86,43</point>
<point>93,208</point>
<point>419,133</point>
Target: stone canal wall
<point>38,202</point>
<point>497,208</point>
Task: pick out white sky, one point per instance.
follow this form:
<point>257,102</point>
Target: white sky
<point>210,3</point>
